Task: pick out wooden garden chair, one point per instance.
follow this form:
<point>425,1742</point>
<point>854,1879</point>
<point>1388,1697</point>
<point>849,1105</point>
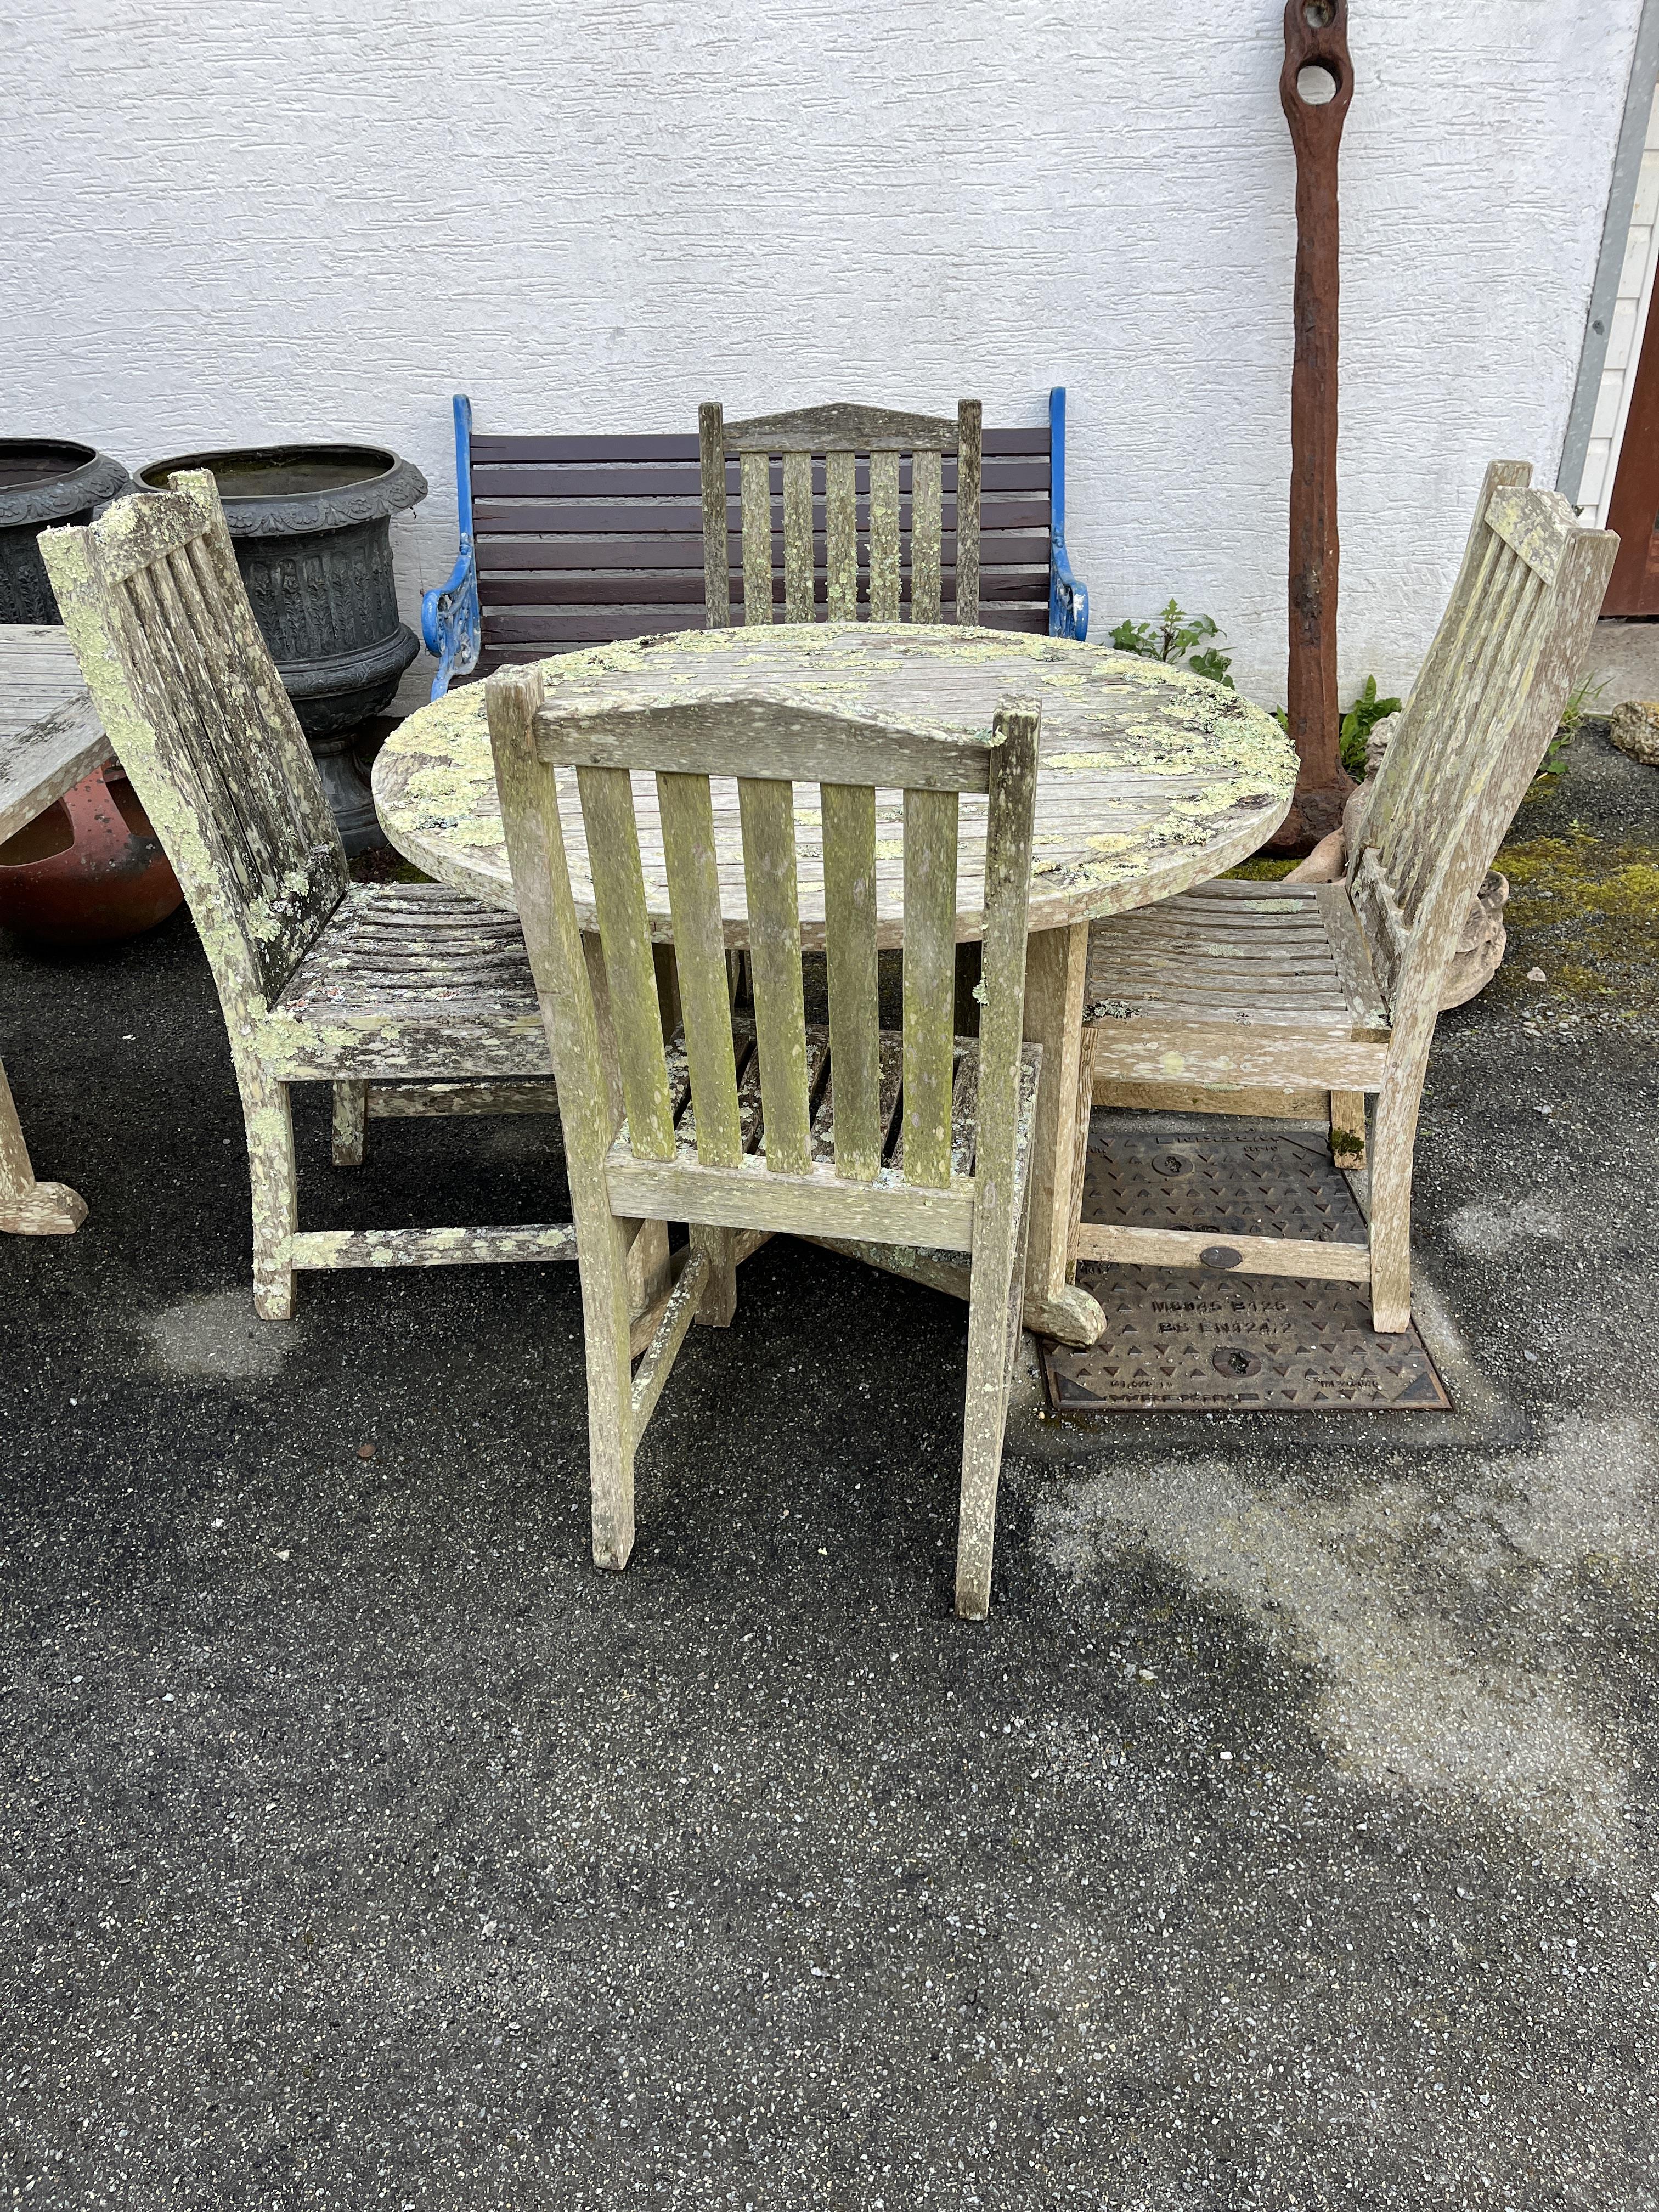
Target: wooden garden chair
<point>800,498</point>
<point>800,505</point>
<point>399,995</point>
<point>743,1131</point>
<point>1241,997</point>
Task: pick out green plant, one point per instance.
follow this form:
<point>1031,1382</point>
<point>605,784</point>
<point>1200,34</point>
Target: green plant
<point>1170,636</point>
<point>1361,719</point>
<point>1580,700</point>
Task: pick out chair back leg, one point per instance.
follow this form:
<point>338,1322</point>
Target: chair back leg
<point>995,1300</point>
<point>350,1123</point>
<point>1347,1112</point>
<point>719,1303</point>
<point>601,1243</point>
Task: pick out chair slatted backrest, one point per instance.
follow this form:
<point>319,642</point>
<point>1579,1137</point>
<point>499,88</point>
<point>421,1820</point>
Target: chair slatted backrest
<point>788,740</point>
<point>1485,704</point>
<point>820,484</point>
<point>194,707</point>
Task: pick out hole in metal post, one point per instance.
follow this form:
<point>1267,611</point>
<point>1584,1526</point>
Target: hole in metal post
<point>1315,85</point>
<point>1318,14</point>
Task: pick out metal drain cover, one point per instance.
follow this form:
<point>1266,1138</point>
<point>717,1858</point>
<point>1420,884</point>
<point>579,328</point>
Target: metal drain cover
<point>1211,1337</point>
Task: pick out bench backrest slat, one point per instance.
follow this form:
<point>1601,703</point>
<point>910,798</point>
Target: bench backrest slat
<point>581,539</point>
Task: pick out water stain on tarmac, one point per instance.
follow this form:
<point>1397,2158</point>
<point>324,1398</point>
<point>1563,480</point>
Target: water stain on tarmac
<point>1444,1636</point>
<point>220,1337</point>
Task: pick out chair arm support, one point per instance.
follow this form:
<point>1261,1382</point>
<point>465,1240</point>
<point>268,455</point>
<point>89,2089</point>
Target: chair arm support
<point>451,622</point>
<point>1068,600</point>
<point>1068,596</point>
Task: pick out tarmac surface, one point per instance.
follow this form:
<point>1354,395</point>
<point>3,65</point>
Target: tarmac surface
<point>1288,1837</point>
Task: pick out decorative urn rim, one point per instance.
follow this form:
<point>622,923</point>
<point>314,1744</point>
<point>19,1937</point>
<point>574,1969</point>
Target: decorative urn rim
<point>32,491</point>
<point>296,488</point>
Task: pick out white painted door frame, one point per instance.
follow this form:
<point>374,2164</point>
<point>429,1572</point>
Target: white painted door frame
<point>1604,292</point>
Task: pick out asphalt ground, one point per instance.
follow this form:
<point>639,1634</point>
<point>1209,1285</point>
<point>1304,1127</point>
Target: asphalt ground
<point>1287,1838</point>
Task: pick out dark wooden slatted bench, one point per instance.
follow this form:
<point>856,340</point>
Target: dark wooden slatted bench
<point>573,541</point>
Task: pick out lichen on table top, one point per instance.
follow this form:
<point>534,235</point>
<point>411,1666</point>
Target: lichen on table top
<point>1153,778</point>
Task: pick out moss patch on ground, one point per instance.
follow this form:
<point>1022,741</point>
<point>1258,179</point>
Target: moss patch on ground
<point>1259,871</point>
<point>1587,912</point>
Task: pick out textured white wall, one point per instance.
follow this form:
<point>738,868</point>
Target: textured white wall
<point>256,219</point>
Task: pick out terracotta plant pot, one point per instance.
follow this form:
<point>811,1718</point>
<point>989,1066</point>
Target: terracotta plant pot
<point>90,871</point>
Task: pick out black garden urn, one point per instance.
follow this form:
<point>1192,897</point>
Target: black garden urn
<point>312,528</point>
<point>45,482</point>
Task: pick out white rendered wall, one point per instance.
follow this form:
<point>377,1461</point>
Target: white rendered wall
<point>245,220</point>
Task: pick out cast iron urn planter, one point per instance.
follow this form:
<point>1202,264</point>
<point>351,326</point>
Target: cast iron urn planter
<point>312,526</point>
<point>45,482</point>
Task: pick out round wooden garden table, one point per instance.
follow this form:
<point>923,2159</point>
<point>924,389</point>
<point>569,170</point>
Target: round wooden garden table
<point>1152,780</point>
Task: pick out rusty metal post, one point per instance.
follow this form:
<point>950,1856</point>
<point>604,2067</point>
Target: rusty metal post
<point>1315,40</point>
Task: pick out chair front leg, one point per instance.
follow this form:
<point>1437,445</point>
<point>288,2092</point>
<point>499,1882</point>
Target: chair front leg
<point>274,1179</point>
<point>1394,1142</point>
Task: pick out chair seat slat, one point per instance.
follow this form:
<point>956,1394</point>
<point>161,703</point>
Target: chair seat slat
<point>827,1120</point>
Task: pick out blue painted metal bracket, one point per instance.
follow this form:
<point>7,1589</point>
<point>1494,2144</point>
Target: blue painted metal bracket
<point>451,622</point>
<point>1068,597</point>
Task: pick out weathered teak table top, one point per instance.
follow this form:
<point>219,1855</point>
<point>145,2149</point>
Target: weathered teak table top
<point>49,733</point>
<point>50,738</point>
<point>1152,780</point>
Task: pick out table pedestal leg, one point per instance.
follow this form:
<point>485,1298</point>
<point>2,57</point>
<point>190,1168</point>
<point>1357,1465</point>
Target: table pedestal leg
<point>1056,970</point>
<point>28,1208</point>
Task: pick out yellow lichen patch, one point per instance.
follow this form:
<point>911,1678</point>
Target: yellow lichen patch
<point>1588,913</point>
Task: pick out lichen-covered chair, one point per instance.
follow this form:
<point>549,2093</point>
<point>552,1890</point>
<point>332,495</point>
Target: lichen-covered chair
<point>755,1127</point>
<point>405,998</point>
<point>1254,998</point>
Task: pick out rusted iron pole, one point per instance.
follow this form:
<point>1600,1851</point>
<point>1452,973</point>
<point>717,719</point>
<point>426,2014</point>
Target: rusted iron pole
<point>1316,55</point>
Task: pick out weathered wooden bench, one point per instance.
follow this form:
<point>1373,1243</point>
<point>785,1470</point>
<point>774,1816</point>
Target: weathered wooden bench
<point>572,541</point>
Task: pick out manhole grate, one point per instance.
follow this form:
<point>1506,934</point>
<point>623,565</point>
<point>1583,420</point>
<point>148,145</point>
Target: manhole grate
<point>1209,1338</point>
